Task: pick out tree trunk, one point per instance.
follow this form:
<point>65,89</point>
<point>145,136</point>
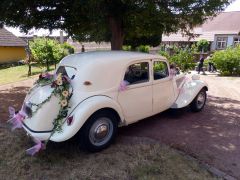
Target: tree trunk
<point>29,69</point>
<point>117,33</point>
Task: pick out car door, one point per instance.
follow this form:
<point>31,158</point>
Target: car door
<point>163,90</point>
<point>136,99</point>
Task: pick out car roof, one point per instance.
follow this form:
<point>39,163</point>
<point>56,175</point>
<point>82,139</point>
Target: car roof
<point>121,57</point>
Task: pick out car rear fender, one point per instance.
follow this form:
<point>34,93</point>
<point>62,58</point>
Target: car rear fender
<point>81,114</point>
<point>188,92</point>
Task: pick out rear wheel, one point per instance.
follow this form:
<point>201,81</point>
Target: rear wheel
<point>199,101</point>
<point>99,131</point>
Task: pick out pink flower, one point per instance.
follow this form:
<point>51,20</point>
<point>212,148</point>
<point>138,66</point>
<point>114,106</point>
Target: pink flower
<point>36,148</point>
<point>47,75</point>
<point>66,79</point>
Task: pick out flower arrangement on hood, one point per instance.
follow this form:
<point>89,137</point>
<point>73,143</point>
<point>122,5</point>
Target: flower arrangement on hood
<point>61,85</point>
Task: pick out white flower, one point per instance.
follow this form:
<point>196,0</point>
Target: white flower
<point>64,103</point>
<point>59,77</point>
<point>65,93</point>
<point>59,82</point>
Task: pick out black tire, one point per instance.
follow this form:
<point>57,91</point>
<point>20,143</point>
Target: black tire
<point>87,134</point>
<point>196,105</point>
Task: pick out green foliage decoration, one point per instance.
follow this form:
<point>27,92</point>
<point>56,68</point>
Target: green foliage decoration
<point>61,88</point>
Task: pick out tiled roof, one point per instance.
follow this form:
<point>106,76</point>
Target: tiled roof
<point>223,23</point>
<point>8,39</point>
<point>178,37</point>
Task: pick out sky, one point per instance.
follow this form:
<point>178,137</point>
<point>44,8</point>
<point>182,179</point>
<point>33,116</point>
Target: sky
<point>235,6</point>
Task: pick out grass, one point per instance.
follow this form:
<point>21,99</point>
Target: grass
<point>18,73</point>
<point>128,158</point>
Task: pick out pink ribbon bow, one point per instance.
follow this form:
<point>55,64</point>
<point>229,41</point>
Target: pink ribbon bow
<point>123,85</point>
<point>36,148</point>
<point>16,119</point>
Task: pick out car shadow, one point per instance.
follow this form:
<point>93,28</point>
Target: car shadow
<point>211,135</point>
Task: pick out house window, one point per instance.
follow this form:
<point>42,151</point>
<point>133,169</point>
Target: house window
<point>236,41</point>
<point>221,42</point>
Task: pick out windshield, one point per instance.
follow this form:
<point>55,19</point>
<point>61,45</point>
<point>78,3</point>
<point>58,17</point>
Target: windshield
<point>67,71</point>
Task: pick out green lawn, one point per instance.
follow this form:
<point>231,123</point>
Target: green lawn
<point>18,73</point>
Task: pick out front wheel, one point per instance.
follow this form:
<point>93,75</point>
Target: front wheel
<point>199,101</point>
<point>99,131</point>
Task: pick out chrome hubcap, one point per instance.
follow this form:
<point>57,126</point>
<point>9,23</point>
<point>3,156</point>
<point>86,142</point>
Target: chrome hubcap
<point>101,131</point>
<point>201,100</point>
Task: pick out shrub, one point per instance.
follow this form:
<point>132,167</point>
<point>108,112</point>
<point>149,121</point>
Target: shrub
<point>68,48</point>
<point>203,44</point>
<point>228,61</point>
<point>184,59</point>
<point>143,48</point>
<point>164,53</point>
<point>126,48</point>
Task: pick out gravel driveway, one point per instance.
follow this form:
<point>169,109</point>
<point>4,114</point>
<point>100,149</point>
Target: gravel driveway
<point>212,136</point>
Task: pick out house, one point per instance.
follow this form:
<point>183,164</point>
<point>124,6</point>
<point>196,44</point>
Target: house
<point>12,48</point>
<point>221,31</point>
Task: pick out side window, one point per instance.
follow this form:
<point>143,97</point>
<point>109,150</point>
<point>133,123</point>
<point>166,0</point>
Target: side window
<point>137,73</point>
<point>160,70</point>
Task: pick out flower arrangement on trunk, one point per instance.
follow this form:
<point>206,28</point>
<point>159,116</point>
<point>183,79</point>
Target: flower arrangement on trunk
<point>61,88</point>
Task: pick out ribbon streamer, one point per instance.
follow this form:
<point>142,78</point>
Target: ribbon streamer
<point>36,148</point>
<point>16,118</point>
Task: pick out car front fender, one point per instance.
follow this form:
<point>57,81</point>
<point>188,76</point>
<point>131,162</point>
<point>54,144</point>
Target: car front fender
<point>188,92</point>
<point>81,114</point>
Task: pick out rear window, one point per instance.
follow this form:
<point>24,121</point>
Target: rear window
<point>67,71</point>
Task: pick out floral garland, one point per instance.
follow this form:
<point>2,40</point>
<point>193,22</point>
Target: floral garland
<point>62,86</point>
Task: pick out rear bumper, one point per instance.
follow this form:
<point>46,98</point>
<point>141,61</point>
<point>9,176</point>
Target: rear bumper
<point>41,135</point>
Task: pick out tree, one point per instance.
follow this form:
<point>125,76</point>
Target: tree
<point>47,51</point>
<point>132,22</point>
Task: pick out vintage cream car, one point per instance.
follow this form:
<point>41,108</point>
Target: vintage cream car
<point>111,89</point>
